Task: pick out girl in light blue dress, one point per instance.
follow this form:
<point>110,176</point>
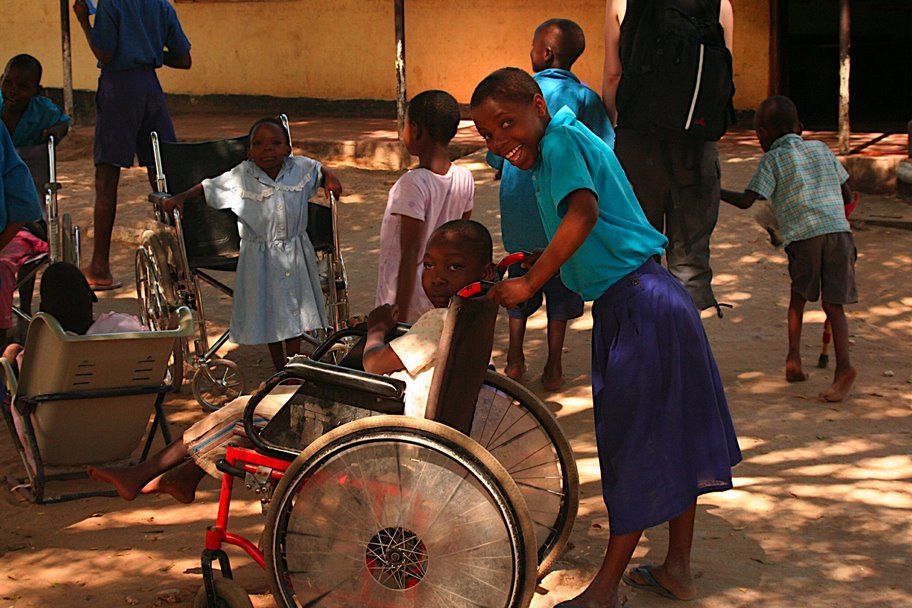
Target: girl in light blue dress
<point>277,295</point>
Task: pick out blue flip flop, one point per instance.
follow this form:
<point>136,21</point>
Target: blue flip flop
<point>651,583</point>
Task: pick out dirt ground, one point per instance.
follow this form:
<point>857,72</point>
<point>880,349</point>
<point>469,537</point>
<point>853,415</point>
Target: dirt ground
<point>821,513</point>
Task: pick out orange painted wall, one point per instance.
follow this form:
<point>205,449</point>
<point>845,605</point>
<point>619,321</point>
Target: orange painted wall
<point>344,49</point>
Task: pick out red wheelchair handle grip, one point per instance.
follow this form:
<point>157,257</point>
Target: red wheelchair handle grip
<point>474,289</point>
<point>513,258</point>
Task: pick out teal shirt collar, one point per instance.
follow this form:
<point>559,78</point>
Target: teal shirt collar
<point>557,73</point>
<point>564,116</point>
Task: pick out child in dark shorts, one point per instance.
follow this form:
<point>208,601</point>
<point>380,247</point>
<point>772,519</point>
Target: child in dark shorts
<point>556,45</point>
<point>808,189</point>
<point>130,39</point>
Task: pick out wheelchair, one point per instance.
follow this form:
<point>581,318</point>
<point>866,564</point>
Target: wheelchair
<point>467,507</point>
<point>183,250</point>
<point>55,228</point>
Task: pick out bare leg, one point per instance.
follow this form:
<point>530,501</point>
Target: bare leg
<point>129,481</point>
<point>180,482</point>
<point>793,371</point>
<point>845,374</point>
<point>277,352</point>
<point>553,376</point>
<point>107,178</point>
<point>674,573</point>
<point>292,347</point>
<point>516,360</point>
<point>602,592</point>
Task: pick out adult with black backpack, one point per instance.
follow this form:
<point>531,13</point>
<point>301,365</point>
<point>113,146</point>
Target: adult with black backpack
<point>668,87</point>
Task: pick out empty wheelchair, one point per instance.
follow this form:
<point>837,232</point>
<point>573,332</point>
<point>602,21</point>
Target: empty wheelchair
<point>468,507</point>
<point>183,250</point>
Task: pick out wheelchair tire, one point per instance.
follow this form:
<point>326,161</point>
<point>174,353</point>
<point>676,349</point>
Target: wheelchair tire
<point>217,383</point>
<point>229,593</point>
<point>399,512</point>
<point>527,440</point>
<point>154,308</point>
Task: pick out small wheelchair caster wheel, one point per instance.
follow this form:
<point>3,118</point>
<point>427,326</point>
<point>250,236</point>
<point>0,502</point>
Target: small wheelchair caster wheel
<point>228,592</point>
<point>217,383</point>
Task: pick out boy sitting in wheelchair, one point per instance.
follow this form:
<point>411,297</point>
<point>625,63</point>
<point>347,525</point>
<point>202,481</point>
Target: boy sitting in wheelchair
<point>458,253</point>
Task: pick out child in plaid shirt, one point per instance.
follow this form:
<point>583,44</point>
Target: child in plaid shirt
<point>808,189</point>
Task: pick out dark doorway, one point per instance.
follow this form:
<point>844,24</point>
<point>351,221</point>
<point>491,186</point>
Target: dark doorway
<point>881,82</point>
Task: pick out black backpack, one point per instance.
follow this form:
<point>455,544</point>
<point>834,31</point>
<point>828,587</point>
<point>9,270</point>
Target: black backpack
<point>676,77</point>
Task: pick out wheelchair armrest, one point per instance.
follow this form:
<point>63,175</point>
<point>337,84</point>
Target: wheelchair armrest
<point>158,198</point>
<point>9,376</point>
<point>356,331</point>
<point>381,388</point>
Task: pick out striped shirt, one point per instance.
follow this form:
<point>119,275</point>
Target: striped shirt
<point>803,181</point>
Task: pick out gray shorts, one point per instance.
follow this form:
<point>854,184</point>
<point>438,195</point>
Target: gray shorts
<point>824,264</point>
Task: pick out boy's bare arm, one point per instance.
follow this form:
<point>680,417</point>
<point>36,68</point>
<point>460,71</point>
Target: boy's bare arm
<point>410,233</point>
<point>742,200</point>
<point>846,194</point>
<point>379,357</point>
<point>578,222</point>
<point>81,8</point>
<point>178,62</point>
<point>59,131</point>
<point>177,201</point>
<point>611,76</point>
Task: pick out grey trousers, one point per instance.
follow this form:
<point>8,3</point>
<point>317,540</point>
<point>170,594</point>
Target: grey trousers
<point>677,185</point>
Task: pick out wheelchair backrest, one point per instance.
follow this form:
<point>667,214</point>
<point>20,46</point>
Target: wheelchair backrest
<point>208,232</point>
<point>462,361</point>
<point>39,165</point>
<point>59,369</point>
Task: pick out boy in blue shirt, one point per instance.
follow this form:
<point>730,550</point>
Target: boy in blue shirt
<point>130,39</point>
<point>556,45</point>
<point>808,188</point>
<point>29,116</point>
<point>662,423</point>
<point>18,198</point>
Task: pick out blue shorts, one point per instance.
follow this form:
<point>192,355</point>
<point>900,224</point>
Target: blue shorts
<point>560,303</point>
<point>129,105</point>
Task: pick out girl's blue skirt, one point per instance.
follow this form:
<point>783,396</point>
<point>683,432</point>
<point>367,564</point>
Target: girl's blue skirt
<point>664,431</point>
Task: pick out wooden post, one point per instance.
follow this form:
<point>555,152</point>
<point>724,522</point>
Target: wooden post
<point>400,62</point>
<point>68,104</point>
<point>845,63</point>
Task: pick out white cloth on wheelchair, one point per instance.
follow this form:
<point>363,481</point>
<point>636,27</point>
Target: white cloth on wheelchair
<point>277,292</point>
<point>208,439</point>
<point>417,349</point>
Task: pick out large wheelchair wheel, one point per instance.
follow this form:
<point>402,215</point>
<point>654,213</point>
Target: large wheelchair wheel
<point>391,511</point>
<point>518,429</point>
<point>157,274</point>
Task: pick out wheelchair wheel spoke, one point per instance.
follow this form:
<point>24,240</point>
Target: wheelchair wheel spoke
<point>384,517</point>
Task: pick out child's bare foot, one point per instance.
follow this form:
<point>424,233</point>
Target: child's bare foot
<point>552,378</point>
<point>166,484</point>
<point>127,483</point>
<point>661,582</point>
<point>842,384</point>
<point>516,369</point>
<point>793,371</point>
